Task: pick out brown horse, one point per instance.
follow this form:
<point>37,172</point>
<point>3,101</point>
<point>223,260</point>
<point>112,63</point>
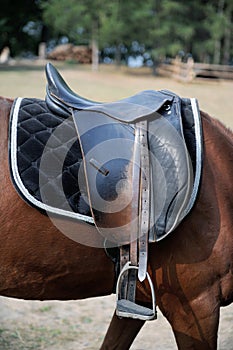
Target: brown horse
<point>192,269</point>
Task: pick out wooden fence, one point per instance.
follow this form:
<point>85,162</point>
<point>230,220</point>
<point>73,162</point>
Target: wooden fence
<point>191,70</point>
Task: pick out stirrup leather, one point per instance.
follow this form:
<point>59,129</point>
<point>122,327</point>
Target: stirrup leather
<point>128,308</point>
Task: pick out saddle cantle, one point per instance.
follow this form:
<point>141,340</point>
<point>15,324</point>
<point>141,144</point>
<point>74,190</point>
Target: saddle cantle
<point>130,167</point>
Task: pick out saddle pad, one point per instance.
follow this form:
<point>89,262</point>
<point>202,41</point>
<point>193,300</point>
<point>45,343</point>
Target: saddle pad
<point>44,160</point>
<point>47,166</point>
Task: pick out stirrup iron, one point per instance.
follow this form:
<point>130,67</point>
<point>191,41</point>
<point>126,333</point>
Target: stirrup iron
<point>127,308</point>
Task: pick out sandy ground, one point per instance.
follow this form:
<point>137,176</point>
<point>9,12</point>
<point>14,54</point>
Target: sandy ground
<point>78,325</point>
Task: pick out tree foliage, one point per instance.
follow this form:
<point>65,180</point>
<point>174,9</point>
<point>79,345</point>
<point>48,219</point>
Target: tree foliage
<point>166,28</point>
<point>72,18</point>
<point>200,28</point>
<point>20,25</point>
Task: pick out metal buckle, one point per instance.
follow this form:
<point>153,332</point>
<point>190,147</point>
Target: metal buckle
<point>127,308</point>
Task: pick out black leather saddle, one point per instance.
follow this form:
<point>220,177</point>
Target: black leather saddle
<point>137,170</point>
<point>107,135</point>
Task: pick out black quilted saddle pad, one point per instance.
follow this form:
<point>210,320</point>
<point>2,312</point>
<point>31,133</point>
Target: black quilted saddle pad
<point>45,160</point>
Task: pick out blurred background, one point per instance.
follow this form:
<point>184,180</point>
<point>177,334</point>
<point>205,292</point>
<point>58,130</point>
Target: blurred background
<point>133,33</point>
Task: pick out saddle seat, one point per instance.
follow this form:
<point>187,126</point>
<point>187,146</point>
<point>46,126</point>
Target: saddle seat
<point>62,100</point>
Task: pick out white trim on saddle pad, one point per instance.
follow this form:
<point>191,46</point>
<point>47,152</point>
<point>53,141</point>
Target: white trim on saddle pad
<point>17,179</point>
<point>198,134</point>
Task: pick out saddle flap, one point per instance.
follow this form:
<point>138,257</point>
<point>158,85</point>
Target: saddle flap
<point>108,150</point>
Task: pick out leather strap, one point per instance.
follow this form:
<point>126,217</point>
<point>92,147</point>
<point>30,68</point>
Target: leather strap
<point>135,197</point>
<point>145,201</point>
<point>124,258</point>
<point>140,215</point>
<point>132,274</point>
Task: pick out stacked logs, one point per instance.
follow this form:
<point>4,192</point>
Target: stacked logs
<point>70,52</point>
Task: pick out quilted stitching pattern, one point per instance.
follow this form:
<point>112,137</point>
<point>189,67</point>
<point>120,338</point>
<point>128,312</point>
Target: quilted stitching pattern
<point>35,126</point>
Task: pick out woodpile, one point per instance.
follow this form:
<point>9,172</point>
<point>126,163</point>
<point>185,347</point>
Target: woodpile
<point>66,52</point>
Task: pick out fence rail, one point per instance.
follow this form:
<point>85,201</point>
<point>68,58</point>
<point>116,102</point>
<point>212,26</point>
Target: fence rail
<point>191,70</point>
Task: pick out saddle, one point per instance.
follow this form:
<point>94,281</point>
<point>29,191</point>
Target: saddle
<point>131,167</point>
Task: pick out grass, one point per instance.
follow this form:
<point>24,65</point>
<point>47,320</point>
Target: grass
<point>46,308</point>
<point>18,336</point>
<point>35,337</point>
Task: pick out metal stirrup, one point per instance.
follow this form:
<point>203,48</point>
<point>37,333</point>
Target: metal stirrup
<point>127,308</point>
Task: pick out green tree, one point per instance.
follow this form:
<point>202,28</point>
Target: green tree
<point>125,22</point>
<point>114,23</point>
<point>220,25</point>
<point>20,25</point>
<point>79,20</point>
<point>173,27</point>
<point>198,27</point>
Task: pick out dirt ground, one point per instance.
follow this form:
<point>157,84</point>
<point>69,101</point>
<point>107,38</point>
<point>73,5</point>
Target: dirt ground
<point>77,325</point>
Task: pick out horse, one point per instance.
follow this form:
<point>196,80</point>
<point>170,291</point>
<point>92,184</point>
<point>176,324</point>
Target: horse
<point>191,269</point>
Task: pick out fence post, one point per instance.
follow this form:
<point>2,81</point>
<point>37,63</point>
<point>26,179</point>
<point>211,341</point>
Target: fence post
<point>42,51</point>
<point>190,69</point>
<point>177,70</point>
<point>5,55</point>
